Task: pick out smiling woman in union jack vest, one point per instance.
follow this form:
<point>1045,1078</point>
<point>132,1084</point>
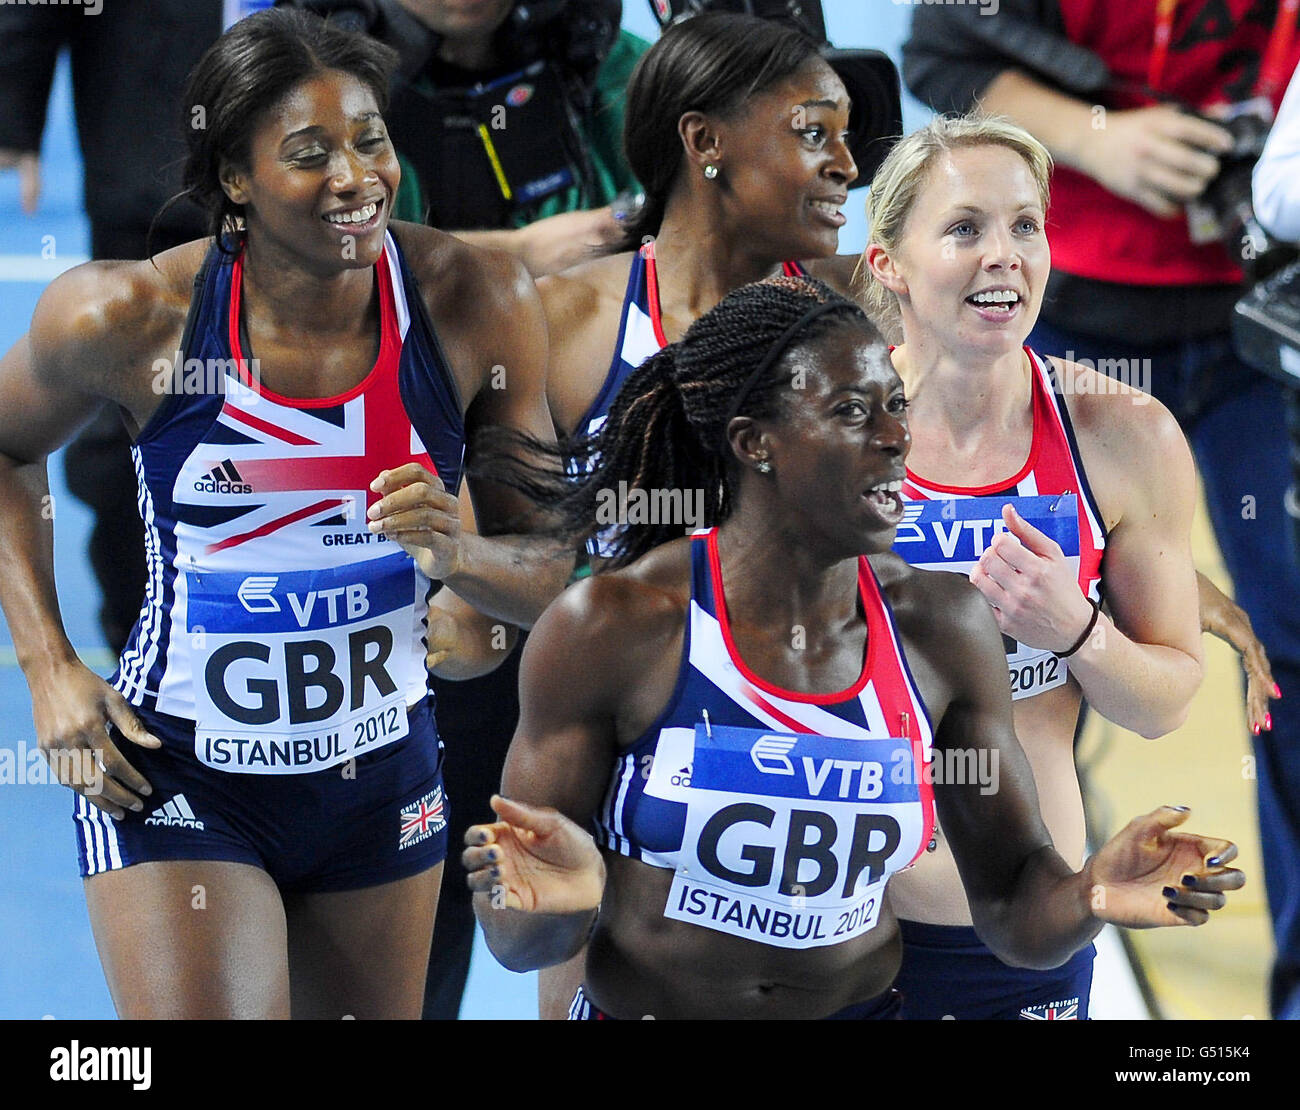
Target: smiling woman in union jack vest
<point>271,750</point>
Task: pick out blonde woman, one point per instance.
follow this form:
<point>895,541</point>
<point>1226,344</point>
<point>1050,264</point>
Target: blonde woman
<point>1025,471</point>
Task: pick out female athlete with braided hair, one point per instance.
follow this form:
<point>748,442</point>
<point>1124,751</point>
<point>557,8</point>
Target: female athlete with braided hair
<point>736,128</point>
<point>744,715</point>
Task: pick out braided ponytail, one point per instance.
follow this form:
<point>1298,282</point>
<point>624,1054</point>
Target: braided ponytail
<point>666,428</point>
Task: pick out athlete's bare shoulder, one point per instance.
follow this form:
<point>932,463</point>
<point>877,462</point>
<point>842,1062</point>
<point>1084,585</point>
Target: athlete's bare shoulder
<point>100,327</point>
<point>930,599</point>
<point>612,642</point>
<point>459,281</point>
<point>945,623</point>
<point>583,306</point>
<point>482,303</point>
<point>590,281</point>
<point>1127,439</point>
<point>641,603</point>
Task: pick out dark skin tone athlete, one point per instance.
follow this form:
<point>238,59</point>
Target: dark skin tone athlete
<point>784,169</point>
<point>783,173</point>
<point>312,315</point>
<point>602,663</point>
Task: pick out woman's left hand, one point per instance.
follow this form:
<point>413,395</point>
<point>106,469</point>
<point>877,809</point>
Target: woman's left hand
<point>1033,589</point>
<point>1148,875</point>
<point>417,512</point>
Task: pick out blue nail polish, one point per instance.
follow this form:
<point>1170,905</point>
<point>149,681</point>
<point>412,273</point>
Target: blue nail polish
<point>1189,880</point>
<point>1172,907</point>
<point>1169,892</point>
<point>1214,861</point>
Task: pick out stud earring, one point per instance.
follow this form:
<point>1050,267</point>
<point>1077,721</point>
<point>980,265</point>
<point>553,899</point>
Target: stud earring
<point>710,171</point>
<point>764,466</point>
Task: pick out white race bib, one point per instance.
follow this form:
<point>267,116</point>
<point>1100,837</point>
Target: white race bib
<point>952,534</point>
<point>789,838</point>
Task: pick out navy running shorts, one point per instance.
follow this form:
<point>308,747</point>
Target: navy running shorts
<point>884,1007</point>
<point>378,820</point>
<point>949,973</point>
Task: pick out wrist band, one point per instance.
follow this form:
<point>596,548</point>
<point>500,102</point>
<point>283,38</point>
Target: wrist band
<point>1096,612</point>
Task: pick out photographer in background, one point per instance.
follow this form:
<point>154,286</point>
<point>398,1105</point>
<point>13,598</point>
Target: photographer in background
<point>508,118</point>
<point>1153,113</point>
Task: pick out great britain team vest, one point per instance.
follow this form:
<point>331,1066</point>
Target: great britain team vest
<point>290,635</point>
<point>781,814</point>
<point>949,527</point>
<point>640,335</point>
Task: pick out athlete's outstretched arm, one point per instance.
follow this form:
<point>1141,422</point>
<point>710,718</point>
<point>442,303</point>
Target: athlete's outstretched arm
<point>537,886</point>
<point>1141,668</point>
<point>1224,618</point>
<point>1026,902</point>
<point>583,664</point>
<point>555,243</point>
<point>51,382</point>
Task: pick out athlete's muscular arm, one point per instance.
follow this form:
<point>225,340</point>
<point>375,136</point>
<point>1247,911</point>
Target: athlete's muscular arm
<point>1026,903</point>
<point>489,320</point>
<point>1141,668</point>
<point>585,665</point>
<point>547,890</point>
<point>86,337</point>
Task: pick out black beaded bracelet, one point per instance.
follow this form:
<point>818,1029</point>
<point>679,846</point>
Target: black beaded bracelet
<point>1096,612</point>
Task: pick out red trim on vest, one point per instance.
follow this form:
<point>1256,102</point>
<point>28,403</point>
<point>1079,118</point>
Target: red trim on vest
<point>390,342</point>
<point>875,631</point>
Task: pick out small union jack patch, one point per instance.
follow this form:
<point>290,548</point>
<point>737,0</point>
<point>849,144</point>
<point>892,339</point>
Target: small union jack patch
<point>1056,1011</point>
<point>421,820</point>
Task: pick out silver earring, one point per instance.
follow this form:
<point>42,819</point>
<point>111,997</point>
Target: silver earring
<point>710,171</point>
<point>764,466</point>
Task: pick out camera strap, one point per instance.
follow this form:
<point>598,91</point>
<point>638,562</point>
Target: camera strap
<point>1273,73</point>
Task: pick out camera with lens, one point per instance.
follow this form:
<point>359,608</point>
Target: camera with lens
<point>1224,212</point>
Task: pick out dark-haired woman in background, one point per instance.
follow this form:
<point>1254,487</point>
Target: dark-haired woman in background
<point>299,392</point>
<point>745,715</point>
<point>737,130</point>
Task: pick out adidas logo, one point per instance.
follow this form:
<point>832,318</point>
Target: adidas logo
<point>223,479</point>
<point>175,814</point>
